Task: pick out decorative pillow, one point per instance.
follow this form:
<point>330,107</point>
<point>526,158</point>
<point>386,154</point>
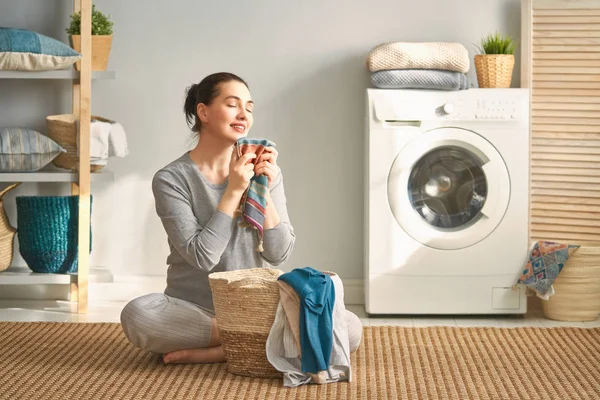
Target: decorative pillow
<point>25,150</point>
<point>546,260</point>
<point>24,50</point>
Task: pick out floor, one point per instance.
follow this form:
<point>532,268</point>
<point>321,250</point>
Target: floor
<point>60,311</point>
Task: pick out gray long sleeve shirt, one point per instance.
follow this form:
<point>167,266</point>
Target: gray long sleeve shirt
<point>203,239</point>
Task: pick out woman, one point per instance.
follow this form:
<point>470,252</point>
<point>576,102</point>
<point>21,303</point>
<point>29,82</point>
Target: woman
<point>196,197</point>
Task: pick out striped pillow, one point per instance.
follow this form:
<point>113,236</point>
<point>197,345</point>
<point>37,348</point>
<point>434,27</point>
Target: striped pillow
<point>24,50</point>
<point>25,150</point>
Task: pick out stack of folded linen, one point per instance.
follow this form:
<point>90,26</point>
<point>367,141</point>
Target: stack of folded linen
<point>107,139</point>
<point>426,65</point>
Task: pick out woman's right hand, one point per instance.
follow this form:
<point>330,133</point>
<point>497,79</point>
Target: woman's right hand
<point>241,170</point>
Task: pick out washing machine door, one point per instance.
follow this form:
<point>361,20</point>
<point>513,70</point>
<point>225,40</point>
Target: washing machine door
<point>449,188</point>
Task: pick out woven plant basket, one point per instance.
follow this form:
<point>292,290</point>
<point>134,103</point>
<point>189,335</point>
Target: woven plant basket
<point>494,70</point>
<point>245,304</point>
<point>577,288</point>
<point>101,45</point>
<point>62,129</point>
<point>47,229</point>
<point>7,232</point>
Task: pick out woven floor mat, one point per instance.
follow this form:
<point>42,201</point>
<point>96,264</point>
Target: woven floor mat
<point>93,361</point>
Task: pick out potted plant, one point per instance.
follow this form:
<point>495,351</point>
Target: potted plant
<point>495,62</point>
<point>101,38</point>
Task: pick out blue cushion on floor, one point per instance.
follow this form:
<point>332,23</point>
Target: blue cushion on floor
<point>25,50</point>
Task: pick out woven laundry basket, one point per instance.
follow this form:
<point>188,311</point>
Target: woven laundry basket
<point>494,70</point>
<point>245,304</point>
<point>577,288</point>
<point>62,129</point>
<point>7,232</point>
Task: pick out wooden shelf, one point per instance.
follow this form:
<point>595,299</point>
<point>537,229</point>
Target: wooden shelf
<point>53,174</point>
<point>81,84</point>
<point>25,276</point>
<point>58,74</point>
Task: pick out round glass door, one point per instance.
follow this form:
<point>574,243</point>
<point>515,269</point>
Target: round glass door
<point>447,187</point>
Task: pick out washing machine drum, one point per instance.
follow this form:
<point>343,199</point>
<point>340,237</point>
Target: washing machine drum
<point>449,188</point>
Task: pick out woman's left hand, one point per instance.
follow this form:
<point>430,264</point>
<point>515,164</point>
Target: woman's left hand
<point>268,165</point>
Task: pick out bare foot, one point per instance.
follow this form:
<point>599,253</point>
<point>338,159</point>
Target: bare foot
<point>195,356</point>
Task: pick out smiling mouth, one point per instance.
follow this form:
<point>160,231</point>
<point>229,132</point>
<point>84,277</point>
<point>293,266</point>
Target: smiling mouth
<point>238,127</point>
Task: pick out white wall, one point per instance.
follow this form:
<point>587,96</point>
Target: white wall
<point>305,64</point>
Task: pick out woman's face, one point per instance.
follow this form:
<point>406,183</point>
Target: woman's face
<point>229,115</point>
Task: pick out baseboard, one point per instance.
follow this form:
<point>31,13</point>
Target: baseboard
<point>354,291</point>
<point>126,288</point>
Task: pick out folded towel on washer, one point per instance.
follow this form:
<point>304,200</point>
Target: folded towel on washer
<point>420,79</point>
<point>254,202</point>
<point>424,55</point>
<point>546,260</point>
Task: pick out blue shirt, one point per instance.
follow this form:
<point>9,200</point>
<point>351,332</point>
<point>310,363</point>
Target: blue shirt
<point>317,297</point>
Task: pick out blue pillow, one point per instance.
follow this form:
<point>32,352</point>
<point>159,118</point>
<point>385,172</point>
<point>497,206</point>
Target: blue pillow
<point>24,50</point>
<point>26,150</point>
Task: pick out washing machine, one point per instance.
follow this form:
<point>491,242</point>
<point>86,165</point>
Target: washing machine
<point>446,207</point>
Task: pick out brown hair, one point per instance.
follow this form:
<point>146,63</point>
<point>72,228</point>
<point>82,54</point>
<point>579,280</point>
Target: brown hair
<point>204,92</point>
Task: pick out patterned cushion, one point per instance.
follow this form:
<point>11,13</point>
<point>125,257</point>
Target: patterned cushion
<point>546,260</point>
<point>25,150</point>
<point>24,50</point>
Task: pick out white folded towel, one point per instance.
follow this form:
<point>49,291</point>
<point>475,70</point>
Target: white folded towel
<point>99,137</point>
<point>107,139</point>
<point>117,141</point>
<point>448,56</point>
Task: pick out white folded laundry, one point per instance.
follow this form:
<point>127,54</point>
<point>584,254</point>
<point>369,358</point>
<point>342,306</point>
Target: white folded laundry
<point>107,139</point>
<point>117,141</point>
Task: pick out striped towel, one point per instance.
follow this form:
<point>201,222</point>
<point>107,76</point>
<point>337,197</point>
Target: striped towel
<point>254,203</point>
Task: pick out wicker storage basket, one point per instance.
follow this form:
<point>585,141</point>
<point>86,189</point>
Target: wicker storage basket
<point>245,304</point>
<point>62,129</point>
<point>494,70</point>
<point>7,232</point>
<point>577,288</point>
<point>48,232</point>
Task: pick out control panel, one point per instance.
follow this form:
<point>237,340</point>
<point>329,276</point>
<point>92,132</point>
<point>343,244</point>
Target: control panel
<point>489,109</point>
<point>398,107</point>
<point>477,110</point>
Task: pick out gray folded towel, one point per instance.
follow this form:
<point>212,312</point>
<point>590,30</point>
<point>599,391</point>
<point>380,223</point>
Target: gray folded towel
<point>420,79</point>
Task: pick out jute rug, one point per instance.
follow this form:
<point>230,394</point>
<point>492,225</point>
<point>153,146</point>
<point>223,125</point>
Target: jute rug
<point>95,361</point>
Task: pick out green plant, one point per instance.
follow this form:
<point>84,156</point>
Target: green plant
<point>101,24</point>
<point>497,44</point>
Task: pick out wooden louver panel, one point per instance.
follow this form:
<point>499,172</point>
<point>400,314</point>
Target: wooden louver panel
<point>561,66</point>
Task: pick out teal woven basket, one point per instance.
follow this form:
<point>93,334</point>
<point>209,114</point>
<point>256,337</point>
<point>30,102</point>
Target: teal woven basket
<point>47,232</point>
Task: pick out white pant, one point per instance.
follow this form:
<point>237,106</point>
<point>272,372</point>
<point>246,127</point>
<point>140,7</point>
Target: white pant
<point>160,324</point>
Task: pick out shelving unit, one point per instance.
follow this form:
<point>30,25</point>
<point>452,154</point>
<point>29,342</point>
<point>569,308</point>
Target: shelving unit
<point>53,174</point>
<point>80,182</point>
<point>60,74</point>
<point>25,276</point>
